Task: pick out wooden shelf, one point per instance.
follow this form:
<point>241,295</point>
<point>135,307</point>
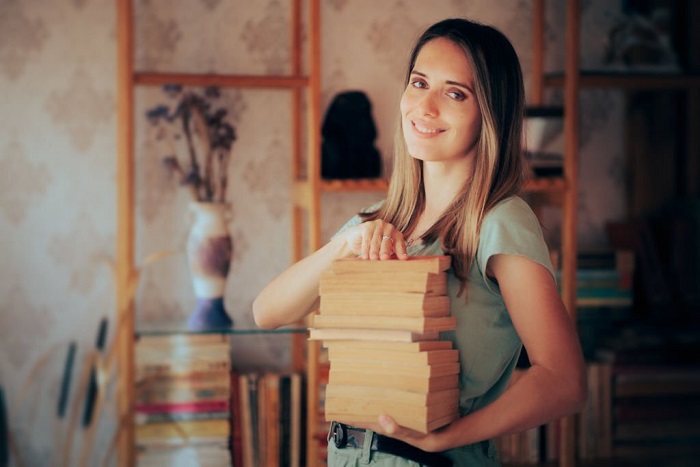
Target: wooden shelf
<point>360,184</point>
<point>546,185</point>
<point>598,79</point>
<point>239,81</point>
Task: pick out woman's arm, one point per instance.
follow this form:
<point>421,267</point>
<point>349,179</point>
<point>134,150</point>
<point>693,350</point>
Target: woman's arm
<point>294,293</point>
<point>553,387</point>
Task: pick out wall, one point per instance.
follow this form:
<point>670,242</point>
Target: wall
<point>57,160</point>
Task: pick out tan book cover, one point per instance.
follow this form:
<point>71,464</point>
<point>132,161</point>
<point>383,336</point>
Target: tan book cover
<point>417,417</point>
<point>403,382</point>
<point>433,264</point>
<point>414,324</point>
<point>410,281</point>
<point>445,397</point>
<point>384,304</point>
<point>183,431</point>
<point>371,335</point>
<point>377,368</point>
<point>382,346</point>
<point>428,357</point>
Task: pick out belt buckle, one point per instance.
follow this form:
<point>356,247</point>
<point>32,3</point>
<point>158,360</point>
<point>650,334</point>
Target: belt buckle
<point>339,435</point>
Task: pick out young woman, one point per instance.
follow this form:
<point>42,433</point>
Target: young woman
<point>458,168</point>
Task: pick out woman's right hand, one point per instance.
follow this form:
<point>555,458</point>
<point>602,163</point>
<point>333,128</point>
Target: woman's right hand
<point>375,239</point>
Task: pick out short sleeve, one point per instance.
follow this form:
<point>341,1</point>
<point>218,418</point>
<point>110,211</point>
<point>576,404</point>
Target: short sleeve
<point>511,228</point>
<point>355,220</point>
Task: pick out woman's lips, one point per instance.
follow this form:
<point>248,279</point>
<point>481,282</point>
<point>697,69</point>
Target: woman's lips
<point>425,130</point>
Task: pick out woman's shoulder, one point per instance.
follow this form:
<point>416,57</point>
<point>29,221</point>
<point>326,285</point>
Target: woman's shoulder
<point>513,206</point>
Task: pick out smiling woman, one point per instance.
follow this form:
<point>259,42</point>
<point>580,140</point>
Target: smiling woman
<point>458,169</point>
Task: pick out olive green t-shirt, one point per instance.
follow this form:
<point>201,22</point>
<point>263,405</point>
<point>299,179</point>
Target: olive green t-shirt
<point>487,341</point>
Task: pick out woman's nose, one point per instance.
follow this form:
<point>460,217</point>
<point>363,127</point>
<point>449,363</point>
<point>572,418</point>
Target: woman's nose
<point>428,104</point>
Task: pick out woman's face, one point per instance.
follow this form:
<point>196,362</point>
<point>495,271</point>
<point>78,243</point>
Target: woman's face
<point>439,112</point>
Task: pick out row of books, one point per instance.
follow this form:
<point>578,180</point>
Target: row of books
<point>380,322</point>
<point>183,400</point>
<point>192,409</point>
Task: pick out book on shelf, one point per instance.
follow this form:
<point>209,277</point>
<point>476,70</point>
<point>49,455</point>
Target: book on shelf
<point>183,407</point>
<point>271,419</point>
<point>150,395</point>
<point>433,264</point>
<point>381,282</point>
<point>410,323</point>
<point>183,456</point>
<point>178,433</point>
<point>371,335</point>
<point>384,304</point>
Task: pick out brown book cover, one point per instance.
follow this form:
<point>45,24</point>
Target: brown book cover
<point>376,368</point>
<point>383,346</point>
<point>384,304</point>
<point>428,357</point>
<point>371,335</point>
<point>420,384</point>
<point>410,281</point>
<point>433,264</point>
<point>414,324</point>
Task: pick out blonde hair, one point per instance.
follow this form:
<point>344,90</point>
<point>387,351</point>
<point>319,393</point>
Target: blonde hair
<point>498,167</point>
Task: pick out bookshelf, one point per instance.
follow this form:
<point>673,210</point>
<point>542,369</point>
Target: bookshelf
<point>564,191</point>
<point>305,89</point>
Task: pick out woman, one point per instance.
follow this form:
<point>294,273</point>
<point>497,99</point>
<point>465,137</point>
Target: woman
<point>458,169</point>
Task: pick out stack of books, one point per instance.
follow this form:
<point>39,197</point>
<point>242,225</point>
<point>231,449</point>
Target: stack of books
<point>381,323</point>
<point>183,395</point>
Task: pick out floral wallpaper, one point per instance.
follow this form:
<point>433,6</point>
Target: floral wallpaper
<point>58,161</point>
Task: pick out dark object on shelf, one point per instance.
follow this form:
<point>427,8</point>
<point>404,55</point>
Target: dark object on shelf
<point>65,381</point>
<point>348,134</point>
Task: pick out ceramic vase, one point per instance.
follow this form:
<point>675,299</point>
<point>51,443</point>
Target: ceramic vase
<point>209,254</point>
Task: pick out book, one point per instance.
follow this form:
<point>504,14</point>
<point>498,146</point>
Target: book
<point>141,418</point>
<point>236,420</point>
<point>433,264</point>
<point>392,346</point>
<point>371,335</point>
<point>183,432</point>
<point>384,304</point>
<point>414,324</point>
<point>428,357</point>
<point>402,382</point>
<point>418,399</point>
<point>378,367</point>
<point>410,281</point>
<point>420,418</point>
<point>179,407</point>
<point>158,394</point>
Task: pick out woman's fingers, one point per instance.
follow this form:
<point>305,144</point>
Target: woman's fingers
<point>380,240</point>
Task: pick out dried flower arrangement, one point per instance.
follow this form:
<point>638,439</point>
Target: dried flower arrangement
<point>200,162</point>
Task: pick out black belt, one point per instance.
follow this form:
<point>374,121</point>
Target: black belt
<point>347,436</point>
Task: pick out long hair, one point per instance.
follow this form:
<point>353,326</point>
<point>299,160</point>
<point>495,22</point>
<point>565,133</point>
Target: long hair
<point>498,166</point>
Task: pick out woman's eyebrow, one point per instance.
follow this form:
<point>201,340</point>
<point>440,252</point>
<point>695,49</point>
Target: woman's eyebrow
<point>453,83</point>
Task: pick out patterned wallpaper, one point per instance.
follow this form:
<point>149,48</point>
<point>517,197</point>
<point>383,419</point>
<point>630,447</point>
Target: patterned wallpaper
<point>57,159</point>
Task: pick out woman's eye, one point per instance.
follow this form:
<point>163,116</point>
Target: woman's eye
<point>418,84</point>
<point>456,95</point>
